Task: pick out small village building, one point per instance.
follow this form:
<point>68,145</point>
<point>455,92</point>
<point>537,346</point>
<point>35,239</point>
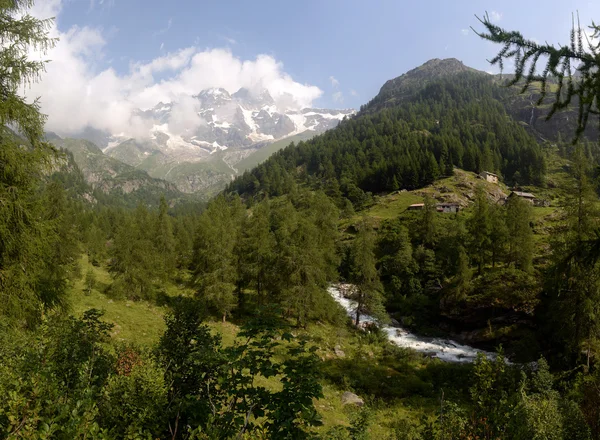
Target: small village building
<point>489,177</point>
<point>416,206</point>
<point>524,195</point>
<point>448,207</point>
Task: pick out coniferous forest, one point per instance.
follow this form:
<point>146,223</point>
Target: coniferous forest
<point>183,320</point>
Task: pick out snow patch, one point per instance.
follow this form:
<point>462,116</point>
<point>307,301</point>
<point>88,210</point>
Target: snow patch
<point>257,137</point>
<point>224,125</point>
<point>338,116</point>
<point>299,121</point>
<point>270,109</point>
<point>248,119</point>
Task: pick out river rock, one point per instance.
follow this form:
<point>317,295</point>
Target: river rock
<point>349,398</point>
<point>339,352</point>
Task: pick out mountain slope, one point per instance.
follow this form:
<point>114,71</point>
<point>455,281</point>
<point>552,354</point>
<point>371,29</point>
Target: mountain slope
<point>406,85</point>
<point>421,125</point>
<point>113,178</point>
<point>196,142</point>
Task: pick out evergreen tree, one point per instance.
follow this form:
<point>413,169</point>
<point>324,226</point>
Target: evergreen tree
<point>463,274</point>
<point>479,225</point>
<point>24,232</point>
<point>214,265</point>
<point>520,234</point>
<point>256,252</point>
<point>133,258</point>
<point>164,241</point>
<point>576,284</point>
<point>367,289</point>
<point>499,234</point>
<point>429,222</point>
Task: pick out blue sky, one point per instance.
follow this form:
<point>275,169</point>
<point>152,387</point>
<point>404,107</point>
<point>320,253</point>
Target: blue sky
<point>346,49</point>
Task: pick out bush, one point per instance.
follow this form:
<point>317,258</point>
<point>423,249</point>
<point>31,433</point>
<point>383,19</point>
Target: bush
<point>135,402</point>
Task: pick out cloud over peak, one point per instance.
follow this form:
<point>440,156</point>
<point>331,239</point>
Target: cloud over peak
<point>76,94</point>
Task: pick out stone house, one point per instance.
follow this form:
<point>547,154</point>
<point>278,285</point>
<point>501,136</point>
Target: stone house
<point>489,177</point>
<point>448,207</point>
<point>525,195</point>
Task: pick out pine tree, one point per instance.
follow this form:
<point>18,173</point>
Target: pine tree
<point>90,281</point>
<point>133,257</point>
<point>577,284</point>
<point>520,234</point>
<point>428,223</point>
<point>214,265</point>
<point>463,273</point>
<point>498,232</point>
<point>367,289</point>
<point>479,226</point>
<point>24,232</point>
<point>164,241</point>
<point>255,251</point>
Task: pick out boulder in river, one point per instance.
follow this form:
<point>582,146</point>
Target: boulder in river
<point>349,398</point>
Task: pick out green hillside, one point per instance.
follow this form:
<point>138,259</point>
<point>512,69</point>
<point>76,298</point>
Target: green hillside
<point>114,181</point>
<point>264,152</point>
<point>451,121</point>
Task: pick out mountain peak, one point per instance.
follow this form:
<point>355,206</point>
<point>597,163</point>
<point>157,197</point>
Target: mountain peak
<point>406,84</point>
<point>214,95</point>
<point>247,96</point>
<point>432,69</point>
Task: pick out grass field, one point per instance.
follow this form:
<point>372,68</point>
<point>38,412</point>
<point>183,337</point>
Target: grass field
<point>141,323</point>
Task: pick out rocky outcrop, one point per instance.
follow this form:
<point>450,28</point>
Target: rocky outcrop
<point>349,398</point>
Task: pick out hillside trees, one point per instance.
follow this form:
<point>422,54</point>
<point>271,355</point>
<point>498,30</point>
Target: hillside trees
<point>280,252</point>
<point>446,123</point>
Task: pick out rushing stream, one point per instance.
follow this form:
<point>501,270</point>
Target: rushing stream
<point>444,349</point>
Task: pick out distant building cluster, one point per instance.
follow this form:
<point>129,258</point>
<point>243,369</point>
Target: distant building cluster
<point>488,177</point>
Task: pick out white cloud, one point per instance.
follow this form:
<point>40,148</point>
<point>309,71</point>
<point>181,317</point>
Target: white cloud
<point>338,97</point>
<point>184,117</point>
<point>106,4</point>
<point>353,92</point>
<point>334,81</point>
<point>75,93</point>
<point>165,29</point>
<point>465,32</point>
<point>495,16</point>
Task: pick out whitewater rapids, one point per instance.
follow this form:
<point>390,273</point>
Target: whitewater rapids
<point>445,349</point>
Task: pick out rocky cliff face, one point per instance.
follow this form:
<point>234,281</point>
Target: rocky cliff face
<point>109,175</point>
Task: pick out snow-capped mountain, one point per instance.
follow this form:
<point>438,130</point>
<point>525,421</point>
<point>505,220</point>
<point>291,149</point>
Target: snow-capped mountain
<point>214,121</point>
<point>218,121</point>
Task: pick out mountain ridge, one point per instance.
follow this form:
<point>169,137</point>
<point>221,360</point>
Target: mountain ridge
<point>196,142</point>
